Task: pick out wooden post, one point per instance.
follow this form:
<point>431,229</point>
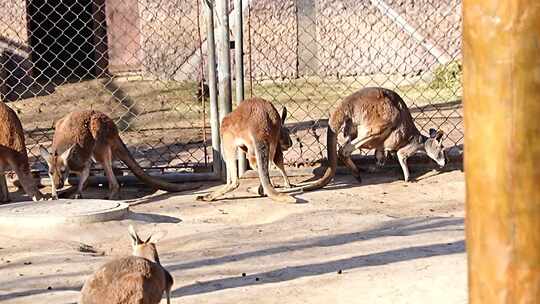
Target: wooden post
<point>501,49</point>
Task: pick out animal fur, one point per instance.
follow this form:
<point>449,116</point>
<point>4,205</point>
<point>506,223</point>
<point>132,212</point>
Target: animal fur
<point>136,279</point>
<point>376,118</point>
<point>85,135</point>
<point>257,129</point>
<point>13,154</point>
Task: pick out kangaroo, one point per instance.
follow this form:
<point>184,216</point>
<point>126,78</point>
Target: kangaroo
<point>13,154</point>
<point>82,136</point>
<point>377,118</point>
<point>136,279</point>
<point>257,129</point>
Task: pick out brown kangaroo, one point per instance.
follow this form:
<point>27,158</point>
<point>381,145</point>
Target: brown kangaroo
<point>377,118</point>
<point>137,279</point>
<point>13,154</point>
<point>256,128</point>
<point>81,136</point>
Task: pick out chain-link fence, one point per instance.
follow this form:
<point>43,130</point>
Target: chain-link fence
<point>309,54</point>
<point>139,61</point>
<point>143,62</point>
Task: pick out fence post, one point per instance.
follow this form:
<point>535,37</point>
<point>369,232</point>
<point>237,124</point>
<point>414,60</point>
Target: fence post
<point>501,49</point>
<point>224,63</point>
<point>239,70</point>
<point>212,88</point>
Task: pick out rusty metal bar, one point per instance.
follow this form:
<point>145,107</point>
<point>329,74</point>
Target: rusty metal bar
<point>239,70</point>
<point>501,47</point>
<point>212,88</point>
<point>224,62</point>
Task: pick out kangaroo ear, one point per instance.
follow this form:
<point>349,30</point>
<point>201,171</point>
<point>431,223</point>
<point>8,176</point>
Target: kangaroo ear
<point>134,237</point>
<point>44,153</point>
<point>283,114</point>
<point>68,153</point>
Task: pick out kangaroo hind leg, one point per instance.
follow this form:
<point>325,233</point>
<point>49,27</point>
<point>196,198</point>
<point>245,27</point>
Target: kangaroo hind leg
<point>104,156</point>
<point>4,192</point>
<point>262,152</point>
<point>229,154</point>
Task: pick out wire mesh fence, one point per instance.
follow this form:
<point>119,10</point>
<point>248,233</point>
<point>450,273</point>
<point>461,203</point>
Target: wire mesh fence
<point>315,52</point>
<point>138,61</point>
<point>143,62</point>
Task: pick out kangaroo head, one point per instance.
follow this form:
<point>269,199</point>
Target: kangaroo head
<point>58,165</point>
<point>285,140</point>
<point>434,147</point>
<point>144,249</point>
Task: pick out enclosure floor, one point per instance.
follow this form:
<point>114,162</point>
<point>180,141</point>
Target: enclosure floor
<point>392,242</point>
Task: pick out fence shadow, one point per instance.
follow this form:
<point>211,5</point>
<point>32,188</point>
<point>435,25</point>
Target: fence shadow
<point>33,292</point>
<point>295,272</point>
<point>400,227</point>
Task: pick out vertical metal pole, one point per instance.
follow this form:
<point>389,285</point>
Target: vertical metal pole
<point>501,48</point>
<point>239,71</point>
<point>224,62</point>
<point>212,88</point>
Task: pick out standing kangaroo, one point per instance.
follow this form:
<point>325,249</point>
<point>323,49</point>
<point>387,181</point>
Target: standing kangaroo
<point>256,128</point>
<point>13,154</point>
<point>81,136</point>
<point>136,279</point>
<point>377,118</point>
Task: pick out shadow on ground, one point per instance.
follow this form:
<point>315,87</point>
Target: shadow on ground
<point>295,272</point>
<point>401,227</point>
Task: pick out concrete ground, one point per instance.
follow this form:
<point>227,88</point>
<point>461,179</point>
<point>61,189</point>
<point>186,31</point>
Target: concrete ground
<point>385,241</point>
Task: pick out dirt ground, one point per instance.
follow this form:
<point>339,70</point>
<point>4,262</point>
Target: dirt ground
<point>385,241</point>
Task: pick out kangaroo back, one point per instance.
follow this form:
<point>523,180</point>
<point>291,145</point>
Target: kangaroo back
<point>139,278</point>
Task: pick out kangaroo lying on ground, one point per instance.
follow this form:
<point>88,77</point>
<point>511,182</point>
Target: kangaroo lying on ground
<point>81,136</point>
<point>377,118</point>
<point>256,128</point>
<point>137,279</point>
<point>13,154</point>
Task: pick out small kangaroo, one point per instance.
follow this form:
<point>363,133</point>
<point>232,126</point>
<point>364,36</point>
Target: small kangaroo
<point>136,279</point>
<point>13,154</point>
<point>81,136</point>
<point>377,118</point>
<point>257,129</point>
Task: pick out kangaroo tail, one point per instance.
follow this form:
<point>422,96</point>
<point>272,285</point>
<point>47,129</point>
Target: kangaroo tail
<point>262,155</point>
<point>337,119</point>
<point>121,151</point>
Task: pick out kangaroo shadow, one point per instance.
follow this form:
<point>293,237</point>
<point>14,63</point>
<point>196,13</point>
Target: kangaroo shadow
<point>33,292</point>
<point>153,218</point>
<point>373,175</point>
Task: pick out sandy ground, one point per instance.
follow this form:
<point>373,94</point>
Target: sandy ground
<point>385,241</point>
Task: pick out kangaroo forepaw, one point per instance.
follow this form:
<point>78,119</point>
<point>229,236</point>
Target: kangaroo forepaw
<point>38,197</point>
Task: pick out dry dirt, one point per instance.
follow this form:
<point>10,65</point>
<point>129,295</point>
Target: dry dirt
<point>385,241</point>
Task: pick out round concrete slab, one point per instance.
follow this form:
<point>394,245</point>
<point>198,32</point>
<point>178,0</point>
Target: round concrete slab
<point>64,211</point>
